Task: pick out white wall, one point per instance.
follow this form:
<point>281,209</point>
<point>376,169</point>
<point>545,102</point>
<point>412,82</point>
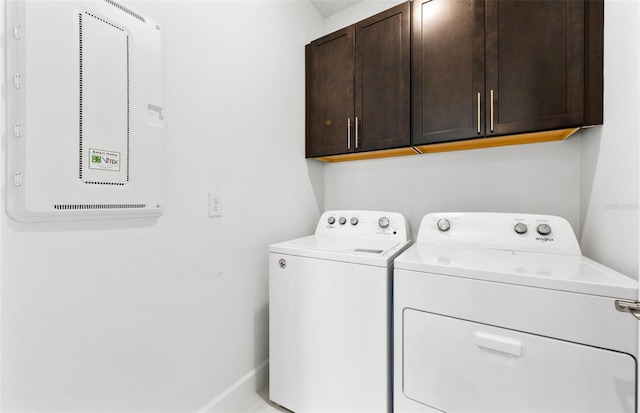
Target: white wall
<point>357,12</point>
<point>610,155</point>
<point>164,315</point>
<point>579,179</point>
<point>537,178</point>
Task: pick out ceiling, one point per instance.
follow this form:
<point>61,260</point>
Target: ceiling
<point>331,7</point>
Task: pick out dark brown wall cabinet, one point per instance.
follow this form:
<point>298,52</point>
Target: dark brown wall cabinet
<point>504,67</point>
<point>358,87</point>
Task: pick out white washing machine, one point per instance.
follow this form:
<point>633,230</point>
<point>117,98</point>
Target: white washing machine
<point>502,313</point>
<point>330,314</point>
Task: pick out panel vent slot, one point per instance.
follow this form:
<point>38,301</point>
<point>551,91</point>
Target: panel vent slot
<point>126,10</point>
<point>79,207</point>
<point>104,183</point>
<point>80,94</point>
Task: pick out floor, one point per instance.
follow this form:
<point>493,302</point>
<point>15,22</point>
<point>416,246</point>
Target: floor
<point>259,403</point>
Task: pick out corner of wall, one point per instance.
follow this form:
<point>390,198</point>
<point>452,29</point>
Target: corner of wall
<point>3,154</point>
<point>235,397</point>
<point>609,154</point>
<point>357,12</point>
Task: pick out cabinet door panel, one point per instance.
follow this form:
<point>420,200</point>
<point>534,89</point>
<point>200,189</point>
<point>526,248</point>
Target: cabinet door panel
<point>330,93</point>
<point>448,70</point>
<point>534,64</point>
<point>382,80</point>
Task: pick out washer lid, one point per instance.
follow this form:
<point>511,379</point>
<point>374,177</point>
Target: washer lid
<point>358,251</point>
<point>556,272</point>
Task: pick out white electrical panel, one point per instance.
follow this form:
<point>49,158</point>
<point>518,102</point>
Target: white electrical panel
<point>84,111</point>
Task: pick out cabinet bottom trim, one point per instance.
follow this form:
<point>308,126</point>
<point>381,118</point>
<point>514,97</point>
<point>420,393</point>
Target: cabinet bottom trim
<point>547,136</point>
<point>536,137</point>
<point>369,155</point>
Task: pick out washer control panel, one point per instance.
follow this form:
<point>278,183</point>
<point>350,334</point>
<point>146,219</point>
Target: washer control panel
<point>505,231</point>
<point>364,224</point>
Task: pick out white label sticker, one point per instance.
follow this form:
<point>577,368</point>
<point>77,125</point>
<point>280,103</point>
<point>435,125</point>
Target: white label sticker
<point>104,160</point>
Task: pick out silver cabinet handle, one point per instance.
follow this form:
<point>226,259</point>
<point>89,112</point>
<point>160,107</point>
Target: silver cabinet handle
<point>356,125</point>
<point>478,113</point>
<point>491,110</point>
<point>348,133</point>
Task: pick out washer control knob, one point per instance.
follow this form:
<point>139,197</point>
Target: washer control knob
<point>354,221</point>
<point>383,222</point>
<point>444,225</point>
<point>520,228</point>
<point>331,220</point>
<point>342,220</point>
<point>544,229</point>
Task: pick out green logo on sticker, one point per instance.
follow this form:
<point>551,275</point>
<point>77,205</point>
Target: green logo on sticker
<point>96,159</point>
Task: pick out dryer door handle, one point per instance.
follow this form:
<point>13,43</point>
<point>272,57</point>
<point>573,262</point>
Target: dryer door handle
<point>632,307</point>
<point>501,344</point>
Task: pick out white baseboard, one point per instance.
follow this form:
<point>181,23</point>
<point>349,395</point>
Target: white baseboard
<point>232,399</point>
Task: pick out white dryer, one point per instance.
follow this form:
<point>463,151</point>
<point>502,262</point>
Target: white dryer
<point>502,313</point>
<point>330,314</point>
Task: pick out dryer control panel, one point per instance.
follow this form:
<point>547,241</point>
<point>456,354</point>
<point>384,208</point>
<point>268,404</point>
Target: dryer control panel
<point>505,231</point>
<point>364,224</point>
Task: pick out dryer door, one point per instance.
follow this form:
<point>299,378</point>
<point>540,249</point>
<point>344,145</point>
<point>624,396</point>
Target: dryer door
<point>455,365</point>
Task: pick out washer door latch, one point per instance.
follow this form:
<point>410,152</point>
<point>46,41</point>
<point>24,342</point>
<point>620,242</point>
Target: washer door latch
<point>632,307</point>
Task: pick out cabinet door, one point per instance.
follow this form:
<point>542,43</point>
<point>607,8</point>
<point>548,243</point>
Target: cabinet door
<point>383,80</point>
<point>330,63</point>
<point>447,70</point>
<point>534,65</point>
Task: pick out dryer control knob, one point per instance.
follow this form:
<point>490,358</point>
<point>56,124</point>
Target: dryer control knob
<point>354,221</point>
<point>331,220</point>
<point>383,222</point>
<point>342,220</point>
<point>444,225</point>
<point>544,229</point>
<point>520,228</point>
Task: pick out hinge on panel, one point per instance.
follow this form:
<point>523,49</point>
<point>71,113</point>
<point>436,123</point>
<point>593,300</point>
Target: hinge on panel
<point>16,32</point>
<point>17,178</point>
<point>632,307</point>
<point>17,132</point>
<point>16,81</point>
